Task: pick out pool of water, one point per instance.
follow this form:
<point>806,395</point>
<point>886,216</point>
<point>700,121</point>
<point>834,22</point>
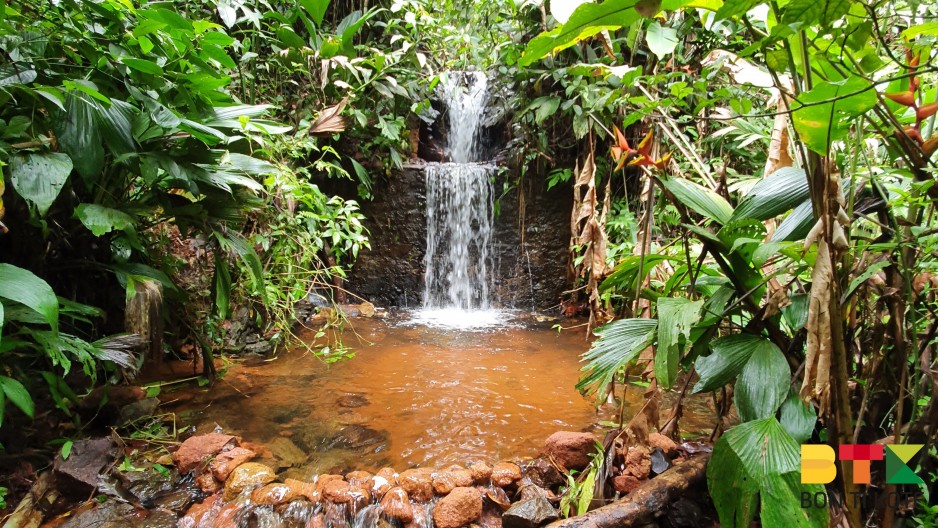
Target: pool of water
<point>413,395</point>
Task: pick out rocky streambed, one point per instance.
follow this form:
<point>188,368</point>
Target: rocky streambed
<point>219,480</point>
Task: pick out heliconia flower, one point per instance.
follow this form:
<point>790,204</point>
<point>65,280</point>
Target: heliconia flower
<point>930,146</point>
<point>926,111</point>
<point>913,134</point>
<point>906,98</point>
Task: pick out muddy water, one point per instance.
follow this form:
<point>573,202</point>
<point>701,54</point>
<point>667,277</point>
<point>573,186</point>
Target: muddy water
<point>411,396</point>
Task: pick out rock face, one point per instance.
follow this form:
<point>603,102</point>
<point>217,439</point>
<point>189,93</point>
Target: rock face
<point>531,511</point>
<point>245,477</point>
<point>80,470</point>
<point>396,505</point>
<point>459,508</point>
<point>570,450</point>
<point>199,448</point>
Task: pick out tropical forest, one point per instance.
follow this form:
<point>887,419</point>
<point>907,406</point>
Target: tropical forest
<point>468,264</point>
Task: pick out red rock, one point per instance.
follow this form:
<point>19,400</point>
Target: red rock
<point>304,489</point>
<point>638,462</point>
<point>505,474</point>
<point>447,480</point>
<point>361,478</point>
<point>421,518</point>
<point>459,508</point>
<point>227,461</point>
<point>417,483</point>
<point>273,495</point>
<point>396,505</point>
<point>201,513</point>
<point>197,449</point>
<point>208,483</point>
<point>316,521</point>
<point>322,480</point>
<point>228,515</point>
<point>337,491</point>
<point>571,450</point>
<point>664,443</point>
<point>625,484</point>
<point>481,472</point>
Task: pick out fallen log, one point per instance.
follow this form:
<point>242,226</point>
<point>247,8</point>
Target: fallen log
<point>29,513</point>
<point>647,501</point>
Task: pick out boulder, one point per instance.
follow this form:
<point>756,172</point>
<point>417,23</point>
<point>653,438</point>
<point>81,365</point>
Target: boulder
<point>306,490</point>
<point>447,480</point>
<point>541,472</point>
<point>80,471</point>
<point>273,495</point>
<point>481,473</point>
<point>638,462</point>
<point>461,507</point>
<point>396,505</point>
<point>110,514</point>
<point>351,400</point>
<point>626,484</point>
<point>417,483</point>
<point>196,449</point>
<point>226,461</point>
<point>286,452</point>
<point>201,513</point>
<point>505,474</point>
<point>531,511</point>
<point>247,477</point>
<point>570,450</point>
<point>664,443</point>
<point>357,437</point>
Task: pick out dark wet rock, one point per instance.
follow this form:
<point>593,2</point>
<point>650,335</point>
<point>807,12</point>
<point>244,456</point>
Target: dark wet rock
<point>158,518</point>
<point>146,485</point>
<point>664,443</point>
<point>626,484</point>
<point>226,461</point>
<point>659,462</point>
<point>531,511</point>
<point>352,400</point>
<point>208,483</point>
<point>684,513</point>
<point>396,505</point>
<point>79,473</point>
<point>139,409</point>
<point>286,452</point>
<point>459,508</point>
<point>542,473</point>
<point>358,436</point>
<point>505,474</point>
<point>296,513</point>
<point>111,514</point>
<point>490,519</point>
<point>570,450</point>
<point>447,480</point>
<point>317,521</point>
<point>418,484</point>
<point>177,500</point>
<point>200,448</point>
<point>481,472</point>
<point>273,495</point>
<point>201,513</point>
<point>336,515</point>
<point>247,477</point>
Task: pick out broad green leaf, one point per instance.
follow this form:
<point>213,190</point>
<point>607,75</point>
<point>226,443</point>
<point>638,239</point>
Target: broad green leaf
<point>1,322</point>
<point>13,75</point>
<point>22,286</point>
<point>18,395</point>
<point>734,493</point>
<point>588,20</point>
<point>561,10</point>
<point>79,136</point>
<point>781,503</point>
<point>699,199</point>
<point>116,125</point>
<point>316,9</point>
<point>742,236</point>
<point>619,343</point>
<point>240,246</point>
<point>798,418</point>
<point>676,317</point>
<point>39,178</point>
<point>100,220</point>
<point>796,313</point>
<point>143,65</point>
<point>928,29</point>
<point>727,357</point>
<point>796,225</point>
<point>732,8</point>
<point>219,55</point>
<point>773,195</point>
<point>800,13</point>
<point>222,286</point>
<point>762,384</point>
<point>661,40</point>
<point>626,272</point>
<point>826,112</point>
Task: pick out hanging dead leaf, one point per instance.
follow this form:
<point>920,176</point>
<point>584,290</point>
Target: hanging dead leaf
<point>330,120</point>
<point>816,385</point>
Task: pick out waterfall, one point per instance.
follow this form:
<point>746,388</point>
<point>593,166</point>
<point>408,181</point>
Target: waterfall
<point>460,204</point>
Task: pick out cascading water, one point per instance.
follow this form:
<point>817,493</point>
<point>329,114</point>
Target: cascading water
<point>460,214</point>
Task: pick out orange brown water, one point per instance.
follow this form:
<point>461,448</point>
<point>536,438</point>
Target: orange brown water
<point>415,396</point>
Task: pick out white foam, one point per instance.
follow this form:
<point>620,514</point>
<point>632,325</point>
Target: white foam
<point>458,319</point>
